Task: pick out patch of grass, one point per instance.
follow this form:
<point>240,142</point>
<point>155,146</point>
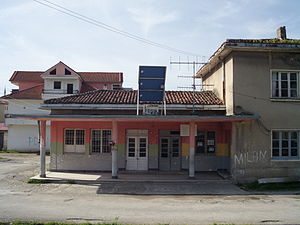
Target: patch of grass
<point>289,186</point>
<point>7,151</point>
<point>34,181</point>
<point>2,158</point>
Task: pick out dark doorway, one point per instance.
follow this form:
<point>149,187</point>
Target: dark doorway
<point>69,88</point>
<point>1,140</point>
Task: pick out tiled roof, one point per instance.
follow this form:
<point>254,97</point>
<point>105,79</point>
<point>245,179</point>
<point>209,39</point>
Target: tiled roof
<point>26,76</point>
<point>30,93</point>
<point>35,76</point>
<point>130,97</point>
<point>101,77</point>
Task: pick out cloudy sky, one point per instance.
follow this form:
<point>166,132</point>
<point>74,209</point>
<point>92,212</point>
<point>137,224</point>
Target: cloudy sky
<point>35,37</point>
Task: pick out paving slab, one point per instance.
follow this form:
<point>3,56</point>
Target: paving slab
<point>150,183</point>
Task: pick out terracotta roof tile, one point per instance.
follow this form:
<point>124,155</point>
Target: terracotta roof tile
<point>30,93</point>
<point>35,76</point>
<point>26,76</point>
<point>130,97</point>
<point>109,77</point>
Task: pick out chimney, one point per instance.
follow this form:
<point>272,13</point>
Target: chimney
<point>281,33</point>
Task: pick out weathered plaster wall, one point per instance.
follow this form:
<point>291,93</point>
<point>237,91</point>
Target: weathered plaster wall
<point>251,153</point>
<point>2,112</point>
<point>216,80</point>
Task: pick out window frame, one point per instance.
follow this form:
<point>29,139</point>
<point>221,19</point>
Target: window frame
<point>288,71</point>
<point>53,72</point>
<point>286,158</point>
<point>74,141</point>
<point>67,72</point>
<point>56,82</point>
<point>206,143</point>
<point>101,141</point>
<point>116,86</point>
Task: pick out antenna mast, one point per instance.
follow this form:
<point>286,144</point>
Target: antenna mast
<point>194,63</point>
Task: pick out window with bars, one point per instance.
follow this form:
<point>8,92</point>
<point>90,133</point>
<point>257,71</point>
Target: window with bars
<point>205,142</point>
<point>74,141</point>
<point>69,137</point>
<point>285,144</point>
<point>100,141</point>
<point>285,84</point>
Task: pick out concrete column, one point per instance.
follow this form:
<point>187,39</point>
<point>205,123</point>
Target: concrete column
<point>114,150</point>
<point>42,128</point>
<point>192,151</point>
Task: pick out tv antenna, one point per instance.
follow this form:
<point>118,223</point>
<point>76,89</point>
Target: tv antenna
<point>194,64</point>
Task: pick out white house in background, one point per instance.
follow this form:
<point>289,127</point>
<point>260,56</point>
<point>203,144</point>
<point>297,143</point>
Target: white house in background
<point>35,86</point>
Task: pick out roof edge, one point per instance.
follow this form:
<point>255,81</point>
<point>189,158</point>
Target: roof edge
<point>248,45</point>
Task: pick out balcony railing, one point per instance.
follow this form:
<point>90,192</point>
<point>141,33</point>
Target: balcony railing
<point>59,91</point>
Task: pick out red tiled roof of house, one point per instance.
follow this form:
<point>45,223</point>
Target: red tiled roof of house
<point>108,77</point>
<point>35,76</point>
<point>26,76</point>
<point>130,97</point>
<point>30,93</point>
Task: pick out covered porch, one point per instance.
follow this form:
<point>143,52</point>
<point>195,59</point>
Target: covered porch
<point>129,143</point>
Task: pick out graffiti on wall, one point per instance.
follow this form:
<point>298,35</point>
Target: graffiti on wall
<point>245,158</point>
<point>34,141</point>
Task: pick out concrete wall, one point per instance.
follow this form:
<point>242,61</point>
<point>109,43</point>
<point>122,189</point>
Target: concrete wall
<point>220,76</point>
<point>24,138</point>
<point>2,112</point>
<point>23,134</point>
<point>252,85</point>
<point>216,80</point>
<point>248,90</point>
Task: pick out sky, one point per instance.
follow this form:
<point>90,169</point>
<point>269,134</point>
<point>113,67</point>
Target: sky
<point>34,37</point>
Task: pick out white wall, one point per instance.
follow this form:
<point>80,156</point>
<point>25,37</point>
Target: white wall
<point>24,138</point>
<point>23,134</point>
<point>26,106</point>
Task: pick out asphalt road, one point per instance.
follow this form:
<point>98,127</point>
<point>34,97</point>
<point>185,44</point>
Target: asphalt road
<point>82,203</point>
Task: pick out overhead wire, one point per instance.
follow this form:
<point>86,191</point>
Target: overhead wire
<point>97,23</point>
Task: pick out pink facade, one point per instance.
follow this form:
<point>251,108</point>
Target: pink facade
<point>154,128</point>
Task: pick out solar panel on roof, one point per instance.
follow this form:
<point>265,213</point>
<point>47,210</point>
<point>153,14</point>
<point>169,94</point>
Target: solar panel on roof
<point>152,83</point>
